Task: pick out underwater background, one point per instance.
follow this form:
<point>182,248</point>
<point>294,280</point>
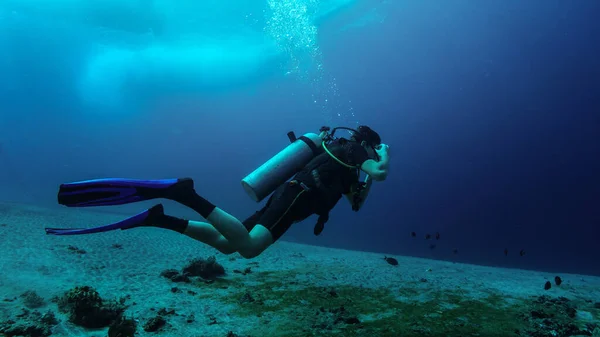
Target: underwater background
<point>490,108</point>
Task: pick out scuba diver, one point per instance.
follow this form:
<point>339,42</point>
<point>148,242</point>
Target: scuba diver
<point>322,168</point>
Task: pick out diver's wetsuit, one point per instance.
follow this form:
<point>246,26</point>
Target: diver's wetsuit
<point>314,190</point>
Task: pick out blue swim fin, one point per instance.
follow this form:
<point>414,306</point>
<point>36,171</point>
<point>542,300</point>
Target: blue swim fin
<point>119,191</point>
<point>147,218</point>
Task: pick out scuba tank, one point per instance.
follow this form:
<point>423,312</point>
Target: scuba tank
<point>261,182</point>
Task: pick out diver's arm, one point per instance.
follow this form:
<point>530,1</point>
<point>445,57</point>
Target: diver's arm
<point>378,170</point>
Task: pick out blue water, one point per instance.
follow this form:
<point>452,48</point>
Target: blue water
<point>490,109</point>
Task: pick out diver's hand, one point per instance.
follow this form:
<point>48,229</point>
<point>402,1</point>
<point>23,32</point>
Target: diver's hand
<point>383,150</point>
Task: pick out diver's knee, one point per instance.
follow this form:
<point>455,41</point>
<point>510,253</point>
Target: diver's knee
<point>260,238</point>
<point>224,246</point>
<point>249,253</point>
<point>226,250</point>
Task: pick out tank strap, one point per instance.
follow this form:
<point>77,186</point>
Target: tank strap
<point>310,144</point>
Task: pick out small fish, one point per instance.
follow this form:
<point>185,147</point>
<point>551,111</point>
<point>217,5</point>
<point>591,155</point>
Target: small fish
<point>432,246</point>
<point>413,234</point>
<point>522,252</point>
<point>391,260</point>
<point>557,280</point>
<point>548,285</point>
<point>427,236</point>
<point>455,251</point>
<point>505,251</point>
<point>437,235</point>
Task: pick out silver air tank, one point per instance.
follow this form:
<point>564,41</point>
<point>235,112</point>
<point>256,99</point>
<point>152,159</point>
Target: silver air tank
<point>281,167</point>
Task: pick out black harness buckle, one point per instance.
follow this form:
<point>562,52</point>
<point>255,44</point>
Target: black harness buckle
<point>356,196</point>
<point>301,184</point>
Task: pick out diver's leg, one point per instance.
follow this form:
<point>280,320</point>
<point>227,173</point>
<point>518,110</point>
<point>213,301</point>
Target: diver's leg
<point>208,234</point>
<point>223,231</point>
<point>258,240</point>
<point>118,191</point>
<point>287,205</point>
<point>236,235</point>
<point>249,241</point>
<point>228,234</point>
<point>230,227</point>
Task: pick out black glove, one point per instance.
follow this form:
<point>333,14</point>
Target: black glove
<point>320,225</point>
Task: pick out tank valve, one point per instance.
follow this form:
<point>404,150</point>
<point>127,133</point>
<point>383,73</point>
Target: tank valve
<point>292,136</point>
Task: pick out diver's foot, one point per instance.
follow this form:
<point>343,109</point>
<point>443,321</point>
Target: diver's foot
<point>184,193</point>
<point>155,217</point>
<point>182,190</point>
<point>146,218</point>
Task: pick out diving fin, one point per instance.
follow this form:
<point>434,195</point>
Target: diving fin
<point>119,191</point>
<point>146,218</point>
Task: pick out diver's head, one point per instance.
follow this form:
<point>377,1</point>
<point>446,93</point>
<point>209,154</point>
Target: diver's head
<point>366,136</point>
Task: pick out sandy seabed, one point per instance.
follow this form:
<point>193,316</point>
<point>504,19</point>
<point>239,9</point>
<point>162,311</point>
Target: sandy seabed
<point>290,290</point>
